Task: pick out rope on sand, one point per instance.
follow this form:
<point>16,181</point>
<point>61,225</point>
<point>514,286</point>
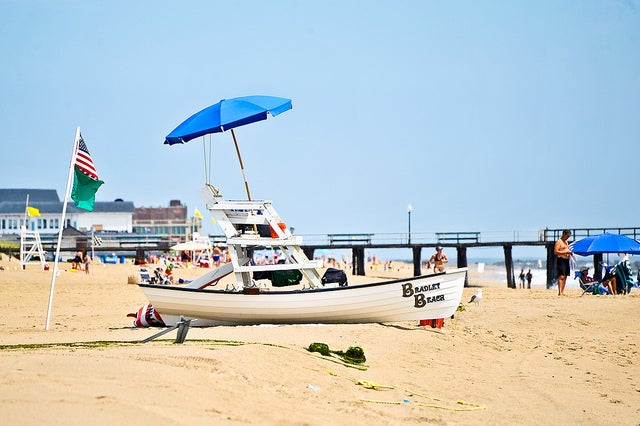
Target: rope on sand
<point>377,401</point>
<point>468,406</point>
<point>372,385</point>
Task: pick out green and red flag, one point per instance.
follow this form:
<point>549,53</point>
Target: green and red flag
<point>85,180</point>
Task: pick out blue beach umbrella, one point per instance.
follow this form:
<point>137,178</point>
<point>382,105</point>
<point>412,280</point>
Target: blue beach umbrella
<point>227,115</point>
<point>605,243</point>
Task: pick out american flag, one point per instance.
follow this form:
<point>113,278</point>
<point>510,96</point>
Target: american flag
<point>84,162</point>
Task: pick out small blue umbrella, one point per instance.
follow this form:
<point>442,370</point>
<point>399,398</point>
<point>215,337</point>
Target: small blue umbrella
<point>226,115</point>
<point>605,243</point>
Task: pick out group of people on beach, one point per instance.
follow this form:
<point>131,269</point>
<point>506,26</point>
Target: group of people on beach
<point>525,277</point>
<point>616,280</point>
<point>81,262</point>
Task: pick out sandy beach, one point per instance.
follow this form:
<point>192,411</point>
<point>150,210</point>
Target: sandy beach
<point>520,357</point>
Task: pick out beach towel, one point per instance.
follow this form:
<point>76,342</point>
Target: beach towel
<point>624,279</point>
<point>147,317</point>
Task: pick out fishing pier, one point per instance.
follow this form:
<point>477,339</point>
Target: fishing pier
<point>461,242</point>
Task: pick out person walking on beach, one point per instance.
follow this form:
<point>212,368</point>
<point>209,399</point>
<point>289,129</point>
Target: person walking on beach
<point>438,260</point>
<point>529,278</point>
<point>522,278</point>
<point>563,253</point>
<point>87,262</point>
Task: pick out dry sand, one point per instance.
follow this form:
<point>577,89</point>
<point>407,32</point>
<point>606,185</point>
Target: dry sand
<point>522,356</point>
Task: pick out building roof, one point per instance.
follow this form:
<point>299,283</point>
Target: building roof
<point>50,208</point>
<point>12,201</point>
<point>20,195</point>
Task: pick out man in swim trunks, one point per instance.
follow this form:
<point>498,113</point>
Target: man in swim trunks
<point>563,253</point>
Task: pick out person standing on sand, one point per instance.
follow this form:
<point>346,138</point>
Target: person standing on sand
<point>87,262</point>
<point>217,254</point>
<point>529,278</point>
<point>438,260</point>
<point>77,262</point>
<point>522,277</point>
<point>563,253</point>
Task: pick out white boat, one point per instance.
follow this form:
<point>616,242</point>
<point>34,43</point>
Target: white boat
<point>424,297</point>
<point>244,301</point>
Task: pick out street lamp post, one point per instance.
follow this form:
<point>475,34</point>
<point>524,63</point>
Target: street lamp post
<point>409,208</point>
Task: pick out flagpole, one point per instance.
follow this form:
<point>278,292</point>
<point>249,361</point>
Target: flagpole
<point>26,212</point>
<point>23,228</point>
<point>64,211</point>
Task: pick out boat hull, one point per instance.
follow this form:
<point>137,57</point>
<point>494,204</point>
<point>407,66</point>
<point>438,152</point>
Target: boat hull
<point>423,297</point>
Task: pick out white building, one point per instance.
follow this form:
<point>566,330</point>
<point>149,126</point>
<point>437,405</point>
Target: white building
<point>110,216</point>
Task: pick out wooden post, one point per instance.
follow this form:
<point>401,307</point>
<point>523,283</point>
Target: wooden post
<point>508,263</point>
<point>597,267</point>
<point>308,251</point>
<point>552,269</point>
<point>358,261</point>
<point>417,261</point>
<point>462,262</point>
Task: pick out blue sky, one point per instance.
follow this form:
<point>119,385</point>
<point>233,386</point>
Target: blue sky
<point>483,115</point>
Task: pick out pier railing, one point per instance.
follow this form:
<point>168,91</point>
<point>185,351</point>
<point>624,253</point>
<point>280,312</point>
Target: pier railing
<point>539,236</point>
<point>423,238</point>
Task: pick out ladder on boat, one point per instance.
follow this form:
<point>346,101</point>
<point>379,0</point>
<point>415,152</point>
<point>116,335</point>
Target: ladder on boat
<point>250,225</point>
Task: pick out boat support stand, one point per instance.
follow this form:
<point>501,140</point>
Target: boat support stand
<point>182,326</point>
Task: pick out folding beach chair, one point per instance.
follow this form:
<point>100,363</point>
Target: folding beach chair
<point>145,277</point>
<point>593,287</point>
<point>586,287</point>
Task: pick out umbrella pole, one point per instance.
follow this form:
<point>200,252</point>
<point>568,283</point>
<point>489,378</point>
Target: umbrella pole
<point>246,184</point>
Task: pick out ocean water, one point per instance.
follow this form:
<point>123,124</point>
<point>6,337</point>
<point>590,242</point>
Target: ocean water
<point>498,273</point>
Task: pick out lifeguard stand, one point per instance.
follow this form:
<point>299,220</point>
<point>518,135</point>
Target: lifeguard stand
<point>29,244</point>
<point>249,225</point>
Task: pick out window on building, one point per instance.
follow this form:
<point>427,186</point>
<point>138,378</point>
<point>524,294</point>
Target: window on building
<point>178,230</point>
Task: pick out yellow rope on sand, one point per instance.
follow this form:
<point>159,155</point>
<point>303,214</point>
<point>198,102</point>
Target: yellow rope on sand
<point>377,401</point>
<point>373,385</point>
<point>469,406</point>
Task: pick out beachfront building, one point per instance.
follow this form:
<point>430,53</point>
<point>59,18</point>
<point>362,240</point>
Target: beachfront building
<point>107,216</point>
<point>171,223</point>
